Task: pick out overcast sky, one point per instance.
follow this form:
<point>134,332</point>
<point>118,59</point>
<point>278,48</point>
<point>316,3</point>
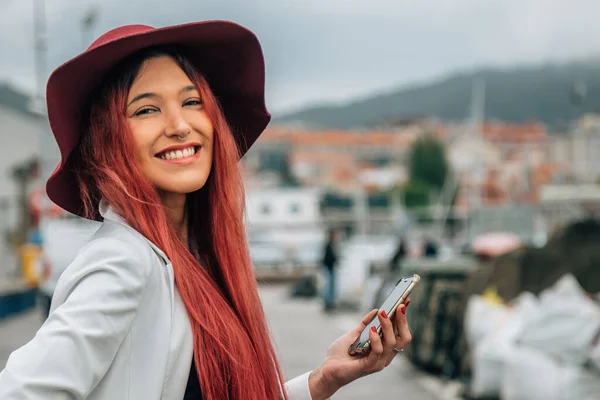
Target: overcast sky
<point>332,50</point>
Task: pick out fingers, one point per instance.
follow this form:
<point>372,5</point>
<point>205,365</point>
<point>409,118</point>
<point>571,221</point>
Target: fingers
<point>402,332</point>
<point>374,359</point>
<point>381,347</point>
<point>389,338</point>
<point>403,337</point>
<point>368,318</point>
<point>382,351</point>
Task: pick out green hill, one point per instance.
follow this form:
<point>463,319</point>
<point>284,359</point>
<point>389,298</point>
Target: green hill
<point>544,93</point>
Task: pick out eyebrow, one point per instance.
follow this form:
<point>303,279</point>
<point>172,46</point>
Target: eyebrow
<point>150,95</point>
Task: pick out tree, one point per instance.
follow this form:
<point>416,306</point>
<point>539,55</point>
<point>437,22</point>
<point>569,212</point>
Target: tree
<point>428,163</point>
<point>428,169</point>
<point>416,194</point>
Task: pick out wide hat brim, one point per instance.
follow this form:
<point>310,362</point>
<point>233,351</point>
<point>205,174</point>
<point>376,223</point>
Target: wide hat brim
<point>228,55</point>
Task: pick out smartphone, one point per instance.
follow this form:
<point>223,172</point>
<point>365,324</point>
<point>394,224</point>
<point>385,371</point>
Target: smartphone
<point>397,296</point>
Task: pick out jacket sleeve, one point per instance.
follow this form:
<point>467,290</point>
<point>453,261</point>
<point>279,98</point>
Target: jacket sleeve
<point>72,351</point>
<point>297,388</point>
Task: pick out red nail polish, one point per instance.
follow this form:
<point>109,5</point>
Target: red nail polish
<point>383,314</point>
<point>407,302</point>
<point>403,310</point>
<point>374,329</point>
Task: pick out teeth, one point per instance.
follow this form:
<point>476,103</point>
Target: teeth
<point>174,155</point>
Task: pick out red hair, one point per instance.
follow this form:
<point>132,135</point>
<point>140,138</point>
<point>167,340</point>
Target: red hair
<point>234,356</point>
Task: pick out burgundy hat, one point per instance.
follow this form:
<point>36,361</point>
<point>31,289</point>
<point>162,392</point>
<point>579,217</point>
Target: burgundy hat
<point>228,55</point>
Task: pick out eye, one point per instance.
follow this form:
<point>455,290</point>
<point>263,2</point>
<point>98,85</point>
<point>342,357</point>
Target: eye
<point>144,111</point>
<point>192,102</point>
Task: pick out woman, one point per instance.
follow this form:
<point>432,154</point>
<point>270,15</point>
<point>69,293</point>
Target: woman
<point>330,259</point>
<point>162,302</point>
<point>399,255</point>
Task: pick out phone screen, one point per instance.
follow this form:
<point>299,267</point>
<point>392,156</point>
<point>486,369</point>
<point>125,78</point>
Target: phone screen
<point>388,304</point>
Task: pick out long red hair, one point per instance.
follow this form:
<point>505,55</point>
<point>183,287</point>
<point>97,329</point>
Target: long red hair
<point>234,355</point>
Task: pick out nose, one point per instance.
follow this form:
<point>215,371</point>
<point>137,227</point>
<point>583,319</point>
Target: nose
<point>176,124</point>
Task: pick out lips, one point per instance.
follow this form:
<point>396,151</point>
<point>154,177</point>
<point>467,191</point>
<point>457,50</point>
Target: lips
<point>176,154</point>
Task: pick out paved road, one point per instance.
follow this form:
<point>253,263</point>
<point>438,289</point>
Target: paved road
<point>302,334</point>
<point>17,331</point>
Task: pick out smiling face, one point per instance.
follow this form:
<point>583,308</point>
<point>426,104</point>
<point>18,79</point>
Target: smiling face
<point>172,133</point>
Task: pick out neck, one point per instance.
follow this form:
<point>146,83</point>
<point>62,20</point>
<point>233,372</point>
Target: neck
<point>175,205</point>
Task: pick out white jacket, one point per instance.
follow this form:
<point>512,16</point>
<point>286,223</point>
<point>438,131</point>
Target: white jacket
<point>117,330</point>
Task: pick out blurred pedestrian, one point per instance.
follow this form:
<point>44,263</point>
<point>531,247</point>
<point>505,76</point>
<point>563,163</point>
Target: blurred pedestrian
<point>430,248</point>
<point>162,303</point>
<point>399,255</point>
<point>390,277</point>
<point>330,260</point>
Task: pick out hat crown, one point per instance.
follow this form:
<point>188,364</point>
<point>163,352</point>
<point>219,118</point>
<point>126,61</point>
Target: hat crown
<point>119,33</point>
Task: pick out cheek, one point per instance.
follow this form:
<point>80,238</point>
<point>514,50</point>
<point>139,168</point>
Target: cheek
<point>209,133</point>
<point>211,154</point>
<point>142,135</point>
<point>211,147</point>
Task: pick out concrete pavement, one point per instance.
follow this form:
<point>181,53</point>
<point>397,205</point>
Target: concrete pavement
<point>302,334</point>
<point>17,330</point>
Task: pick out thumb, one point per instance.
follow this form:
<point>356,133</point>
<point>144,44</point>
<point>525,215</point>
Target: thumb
<point>365,321</point>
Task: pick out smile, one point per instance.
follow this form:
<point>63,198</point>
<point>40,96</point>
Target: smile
<point>182,156</point>
<point>179,154</point>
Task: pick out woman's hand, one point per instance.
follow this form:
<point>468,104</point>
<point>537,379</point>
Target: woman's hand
<point>340,368</point>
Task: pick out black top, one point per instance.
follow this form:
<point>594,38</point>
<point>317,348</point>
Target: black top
<point>192,390</point>
<point>330,257</point>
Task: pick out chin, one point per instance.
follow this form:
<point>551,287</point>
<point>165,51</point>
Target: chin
<point>183,187</point>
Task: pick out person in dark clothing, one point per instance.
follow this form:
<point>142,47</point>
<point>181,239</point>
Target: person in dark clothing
<point>399,254</point>
<point>330,259</point>
<point>390,277</point>
<point>430,248</point>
